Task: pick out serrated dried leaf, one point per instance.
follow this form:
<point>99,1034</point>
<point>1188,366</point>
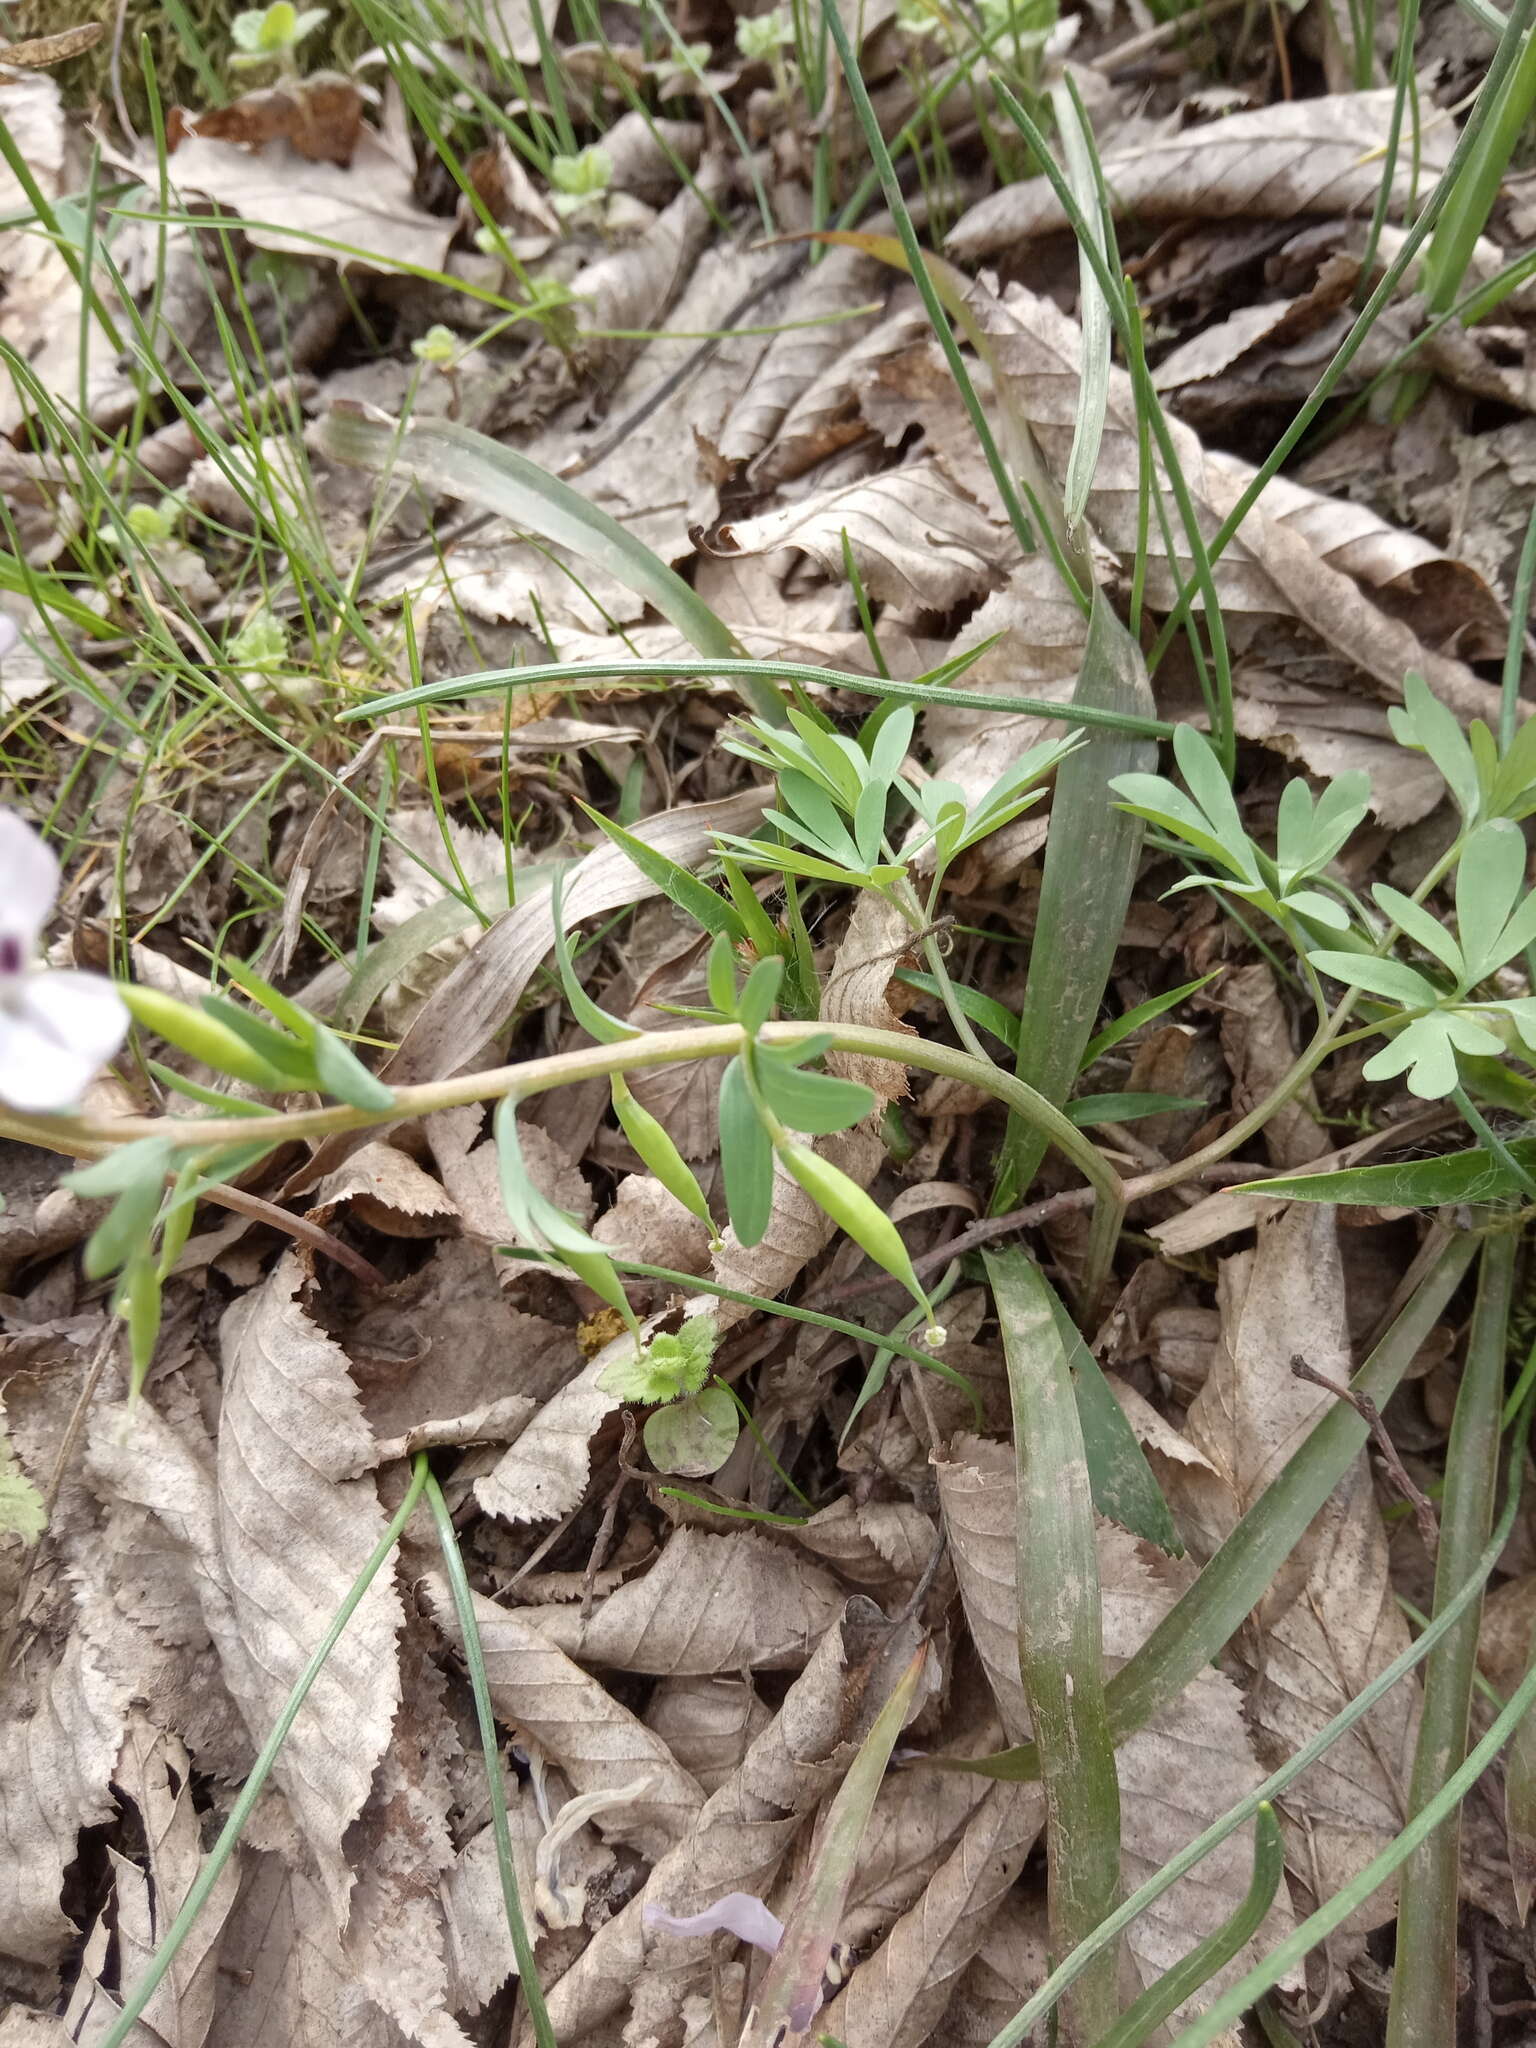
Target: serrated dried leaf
<point>739,1602</point>
<point>597,1743</point>
<point>1270,567</point>
<point>708,1723</point>
<point>386,1189</point>
<point>632,288</point>
<point>285,1981</point>
<point>918,544</point>
<point>1256,1040</point>
<point>794,360</point>
<point>874,1545</point>
<point>1178,1773</point>
<point>1298,156</point>
<point>1012,1963</point>
<point>899,1996</point>
<point>826,417</point>
<point>736,1844</point>
<point>543,1474</point>
<point>1340,1632</point>
<point>60,1729</point>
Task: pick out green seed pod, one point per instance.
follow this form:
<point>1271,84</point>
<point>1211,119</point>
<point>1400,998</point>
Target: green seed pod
<point>651,1141</point>
<point>856,1213</point>
<point>204,1037</point>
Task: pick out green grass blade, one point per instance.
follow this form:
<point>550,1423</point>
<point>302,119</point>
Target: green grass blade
<point>1161,2000</point>
<point>1424,1993</point>
<point>536,675</point>
<point>207,1877</point>
<point>1091,858</point>
<point>1061,1646</point>
<point>490,1743</point>
<point>447,457</point>
<point>1237,1577</point>
<point>1045,1999</point>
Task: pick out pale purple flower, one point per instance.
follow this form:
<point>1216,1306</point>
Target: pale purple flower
<point>738,1913</point>
<point>57,1027</point>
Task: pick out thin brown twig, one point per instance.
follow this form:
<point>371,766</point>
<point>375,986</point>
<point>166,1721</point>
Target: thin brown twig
<point>1370,1415</point>
<point>299,1227</point>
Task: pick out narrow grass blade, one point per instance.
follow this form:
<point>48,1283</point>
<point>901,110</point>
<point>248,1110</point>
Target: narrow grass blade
<point>1235,1580</point>
<point>447,457</point>
<point>1119,1476</point>
<point>1093,391</point>
<point>1061,1645</point>
<point>1161,2000</point>
<point>538,675</point>
<point>1520,1805</point>
<point>1422,2013</point>
<point>1067,1971</point>
<point>125,2025</point>
<point>1091,858</point>
<point>791,1993</point>
<point>490,1743</point>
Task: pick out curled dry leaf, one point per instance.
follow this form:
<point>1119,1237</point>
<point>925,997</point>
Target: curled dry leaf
<point>899,1996</point>
<point>1270,567</point>
<point>386,1189</point>
<point>826,416</point>
<point>154,1772</point>
<point>1299,156</point>
<point>736,1844</point>
<point>1187,1766</point>
<point>794,360</point>
<point>918,544</point>
<point>875,1545</point>
<point>597,1743</point>
<point>60,1728</point>
<point>739,1602</point>
<point>1282,1300</point>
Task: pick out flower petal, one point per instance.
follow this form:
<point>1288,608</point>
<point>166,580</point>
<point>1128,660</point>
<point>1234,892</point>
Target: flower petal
<point>738,1913</point>
<point>10,633</point>
<point>55,1032</point>
<point>29,881</point>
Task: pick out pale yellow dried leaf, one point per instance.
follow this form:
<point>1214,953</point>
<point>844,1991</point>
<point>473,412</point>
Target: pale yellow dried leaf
<point>736,1602</point>
<point>1298,156</point>
<point>294,1530</point>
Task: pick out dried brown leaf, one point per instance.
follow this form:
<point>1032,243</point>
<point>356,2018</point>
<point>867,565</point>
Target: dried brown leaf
<point>918,544</point>
<point>362,214</point>
<point>648,1223</point>
<point>1341,1631</point>
<point>794,360</point>
<point>632,288</point>
<point>598,1744</point>
<point>1011,1964</point>
<point>1298,156</point>
<point>1256,1039</point>
<point>60,1729</point>
<point>285,1981</point>
<point>875,1545</point>
<point>739,1602</point>
<point>826,416</point>
<point>708,1723</point>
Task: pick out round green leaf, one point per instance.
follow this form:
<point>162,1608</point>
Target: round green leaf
<point>693,1437</point>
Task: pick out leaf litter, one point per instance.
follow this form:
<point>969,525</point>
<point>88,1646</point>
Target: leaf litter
<point>235,375</point>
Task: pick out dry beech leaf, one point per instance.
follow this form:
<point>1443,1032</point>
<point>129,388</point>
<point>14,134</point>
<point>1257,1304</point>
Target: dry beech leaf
<point>362,214</point>
<point>396,1938</point>
<point>21,2027</point>
<point>875,1545</point>
<point>736,1844</point>
<point>479,1948</point>
<point>1329,732</point>
<point>648,1223</point>
<point>918,544</point>
<point>386,1189</point>
<point>1256,1041</point>
<point>707,1723</point>
<point>1283,1299</point>
<point>543,1474</point>
<point>738,1602</point>
<point>60,1729</point>
<point>859,987</point>
<point>279,1540</point>
<point>899,1996</point>
<point>1270,567</point>
<point>1178,1773</point>
<point>1009,1967</point>
<point>1340,1632</point>
<point>794,360</point>
<point>598,1744</point>
<point>321,116</point>
<point>826,417</point>
<point>1275,163</point>
<point>285,1981</point>
<point>632,288</point>
<point>917,1818</point>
